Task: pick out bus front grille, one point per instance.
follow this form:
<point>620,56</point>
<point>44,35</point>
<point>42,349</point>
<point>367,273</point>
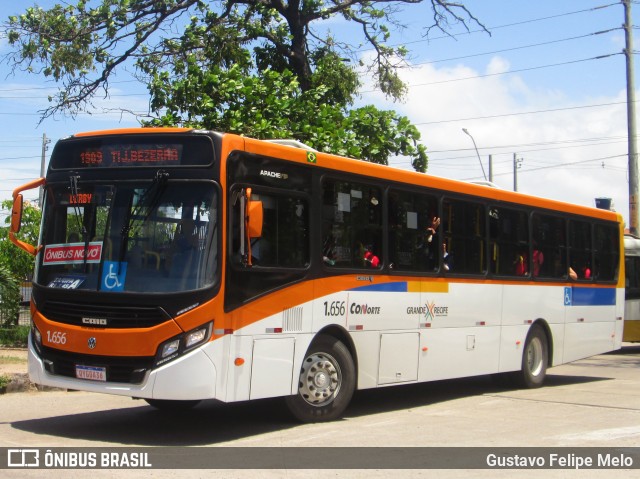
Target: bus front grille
<point>104,315</point>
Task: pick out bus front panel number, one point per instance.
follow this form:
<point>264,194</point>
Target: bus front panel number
<point>56,337</point>
<point>335,308</point>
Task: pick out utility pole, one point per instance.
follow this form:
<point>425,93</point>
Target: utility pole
<point>516,165</point>
<point>45,142</point>
<point>491,168</point>
<point>631,122</point>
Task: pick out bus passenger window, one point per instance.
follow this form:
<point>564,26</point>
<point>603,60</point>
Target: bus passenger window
<point>411,246</point>
<point>509,242</point>
<point>549,240</point>
<point>580,250</point>
<point>607,252</point>
<point>351,225</point>
<point>463,226</point>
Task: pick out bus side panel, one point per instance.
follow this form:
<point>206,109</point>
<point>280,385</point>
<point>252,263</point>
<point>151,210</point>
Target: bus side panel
<point>521,308</point>
<point>458,352</point>
<point>588,339</point>
<point>272,367</point>
<point>367,344</point>
<point>238,383</point>
<point>590,321</point>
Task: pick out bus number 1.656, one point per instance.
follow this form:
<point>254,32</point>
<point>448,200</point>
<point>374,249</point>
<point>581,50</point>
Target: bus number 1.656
<point>335,308</point>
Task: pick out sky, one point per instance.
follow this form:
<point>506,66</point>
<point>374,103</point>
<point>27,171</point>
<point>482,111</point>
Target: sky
<point>548,85</point>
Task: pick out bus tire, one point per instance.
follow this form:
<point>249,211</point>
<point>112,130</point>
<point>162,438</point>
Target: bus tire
<point>535,358</point>
<point>326,382</point>
<point>172,405</point>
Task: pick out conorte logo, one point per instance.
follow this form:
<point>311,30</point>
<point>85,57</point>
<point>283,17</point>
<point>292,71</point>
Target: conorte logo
<point>23,458</point>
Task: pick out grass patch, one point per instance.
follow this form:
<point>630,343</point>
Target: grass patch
<point>12,360</point>
<point>4,381</point>
<point>15,337</point>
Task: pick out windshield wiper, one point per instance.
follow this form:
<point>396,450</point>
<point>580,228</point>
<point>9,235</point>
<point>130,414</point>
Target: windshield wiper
<point>150,199</point>
<point>73,186</point>
<point>80,219</point>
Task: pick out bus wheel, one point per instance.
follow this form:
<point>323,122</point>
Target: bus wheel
<point>326,382</point>
<point>171,405</point>
<point>534,359</point>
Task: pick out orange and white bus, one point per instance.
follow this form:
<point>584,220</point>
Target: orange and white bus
<point>179,265</point>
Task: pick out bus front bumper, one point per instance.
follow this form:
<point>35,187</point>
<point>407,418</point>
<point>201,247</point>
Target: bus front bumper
<point>192,376</point>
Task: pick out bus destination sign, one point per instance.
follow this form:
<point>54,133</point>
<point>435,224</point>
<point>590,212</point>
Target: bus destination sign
<point>133,151</point>
<point>131,155</point>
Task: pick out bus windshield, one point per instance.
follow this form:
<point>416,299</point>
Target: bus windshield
<point>157,236</point>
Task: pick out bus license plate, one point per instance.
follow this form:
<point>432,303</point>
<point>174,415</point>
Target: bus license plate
<point>94,373</point>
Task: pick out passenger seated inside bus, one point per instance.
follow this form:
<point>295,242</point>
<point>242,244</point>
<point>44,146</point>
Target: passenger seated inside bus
<point>520,264</point>
<point>538,260</point>
<point>370,259</point>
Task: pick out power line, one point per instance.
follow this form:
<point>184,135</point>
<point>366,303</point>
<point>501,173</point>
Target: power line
<point>486,75</point>
<point>498,27</point>
<point>552,110</point>
<point>538,143</point>
<point>522,47</point>
<point>561,165</point>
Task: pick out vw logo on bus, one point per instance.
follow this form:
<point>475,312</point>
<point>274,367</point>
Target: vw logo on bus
<point>92,343</point>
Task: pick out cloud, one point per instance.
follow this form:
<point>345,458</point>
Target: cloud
<point>572,154</point>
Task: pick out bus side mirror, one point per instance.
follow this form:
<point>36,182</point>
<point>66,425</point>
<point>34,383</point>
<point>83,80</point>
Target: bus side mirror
<point>254,219</point>
<point>16,216</point>
<point>252,225</point>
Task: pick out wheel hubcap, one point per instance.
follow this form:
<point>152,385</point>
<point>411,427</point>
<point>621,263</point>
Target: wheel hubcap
<point>320,379</point>
<point>534,357</point>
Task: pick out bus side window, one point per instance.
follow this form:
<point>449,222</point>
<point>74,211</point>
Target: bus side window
<point>549,239</point>
<point>580,249</point>
<point>607,252</point>
<point>411,247</point>
<point>284,242</point>
<point>351,225</point>
<point>463,225</point>
<point>509,242</point>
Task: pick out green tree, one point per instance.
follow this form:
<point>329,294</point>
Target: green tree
<point>19,262</point>
<point>212,42</point>
<point>9,296</point>
<point>16,265</point>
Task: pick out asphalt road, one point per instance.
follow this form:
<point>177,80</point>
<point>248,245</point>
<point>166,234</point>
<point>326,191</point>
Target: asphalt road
<point>591,403</point>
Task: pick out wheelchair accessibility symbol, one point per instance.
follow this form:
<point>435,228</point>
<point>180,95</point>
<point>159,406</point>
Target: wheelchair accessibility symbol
<point>567,296</point>
<point>113,276</point>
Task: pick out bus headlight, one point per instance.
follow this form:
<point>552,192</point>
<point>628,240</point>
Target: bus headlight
<point>37,337</point>
<point>178,345</point>
<point>170,348</point>
<point>196,337</point>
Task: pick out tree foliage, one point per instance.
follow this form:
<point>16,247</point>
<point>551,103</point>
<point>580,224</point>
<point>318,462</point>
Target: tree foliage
<point>261,47</point>
<point>16,265</point>
<point>19,262</point>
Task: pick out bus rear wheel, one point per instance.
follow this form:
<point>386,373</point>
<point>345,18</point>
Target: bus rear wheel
<point>535,359</point>
<point>326,382</point>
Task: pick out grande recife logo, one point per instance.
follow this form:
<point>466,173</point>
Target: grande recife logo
<point>72,253</point>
